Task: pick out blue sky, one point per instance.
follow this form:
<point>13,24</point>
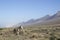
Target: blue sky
<point>15,11</point>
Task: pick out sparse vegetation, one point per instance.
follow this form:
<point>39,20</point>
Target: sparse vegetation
<point>32,33</point>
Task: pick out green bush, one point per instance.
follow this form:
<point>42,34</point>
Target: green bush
<point>1,28</point>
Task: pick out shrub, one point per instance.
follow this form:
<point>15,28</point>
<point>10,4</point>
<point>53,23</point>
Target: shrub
<point>1,28</point>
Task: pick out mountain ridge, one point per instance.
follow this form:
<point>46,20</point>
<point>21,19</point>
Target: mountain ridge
<point>54,19</point>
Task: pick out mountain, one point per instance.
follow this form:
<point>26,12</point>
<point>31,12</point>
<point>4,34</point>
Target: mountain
<point>54,19</point>
<point>28,22</point>
<point>57,15</point>
<point>43,18</point>
<point>34,21</point>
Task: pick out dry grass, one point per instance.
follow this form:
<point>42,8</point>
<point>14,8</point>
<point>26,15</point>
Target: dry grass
<point>31,33</point>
